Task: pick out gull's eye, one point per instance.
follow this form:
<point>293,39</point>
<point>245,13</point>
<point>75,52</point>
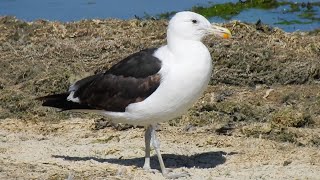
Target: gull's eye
<point>194,21</point>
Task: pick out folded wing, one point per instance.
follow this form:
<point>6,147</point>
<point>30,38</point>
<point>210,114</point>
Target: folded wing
<point>131,80</point>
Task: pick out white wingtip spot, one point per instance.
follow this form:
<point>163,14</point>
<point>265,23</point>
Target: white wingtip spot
<point>71,98</point>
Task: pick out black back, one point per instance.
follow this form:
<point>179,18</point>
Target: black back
<point>138,65</point>
<point>131,80</point>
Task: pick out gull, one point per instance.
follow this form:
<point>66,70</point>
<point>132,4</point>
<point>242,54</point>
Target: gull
<point>150,86</point>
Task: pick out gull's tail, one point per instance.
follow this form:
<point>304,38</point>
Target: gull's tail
<point>60,101</point>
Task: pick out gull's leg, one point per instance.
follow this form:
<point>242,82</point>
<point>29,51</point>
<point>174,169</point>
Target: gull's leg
<point>147,138</point>
<point>156,145</point>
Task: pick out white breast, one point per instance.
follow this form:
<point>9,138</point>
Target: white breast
<point>184,78</point>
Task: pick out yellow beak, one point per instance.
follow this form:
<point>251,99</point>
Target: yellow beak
<point>220,31</point>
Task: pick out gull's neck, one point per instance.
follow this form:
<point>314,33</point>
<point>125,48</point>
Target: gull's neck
<point>180,46</point>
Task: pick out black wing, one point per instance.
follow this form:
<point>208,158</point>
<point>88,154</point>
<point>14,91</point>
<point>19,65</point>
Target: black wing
<point>131,80</point>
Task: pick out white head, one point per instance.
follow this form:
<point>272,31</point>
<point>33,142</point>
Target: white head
<point>192,26</point>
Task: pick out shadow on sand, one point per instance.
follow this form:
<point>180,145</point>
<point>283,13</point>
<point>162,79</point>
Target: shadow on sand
<point>201,160</point>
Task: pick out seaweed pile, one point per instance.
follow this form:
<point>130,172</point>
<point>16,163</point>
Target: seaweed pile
<point>265,81</point>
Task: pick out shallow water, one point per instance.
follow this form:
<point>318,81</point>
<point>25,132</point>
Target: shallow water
<point>73,10</point>
<point>283,17</point>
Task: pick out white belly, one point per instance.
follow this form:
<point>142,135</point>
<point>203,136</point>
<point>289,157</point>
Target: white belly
<point>182,83</point>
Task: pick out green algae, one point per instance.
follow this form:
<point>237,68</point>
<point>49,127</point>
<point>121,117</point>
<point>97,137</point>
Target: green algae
<point>304,13</point>
<point>286,22</point>
<point>229,10</point>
